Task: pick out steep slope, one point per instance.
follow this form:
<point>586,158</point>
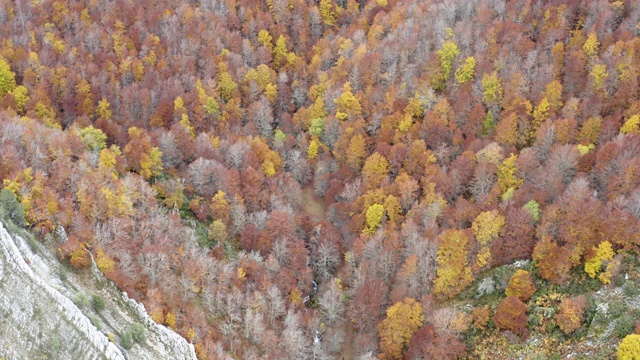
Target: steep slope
<point>38,319</point>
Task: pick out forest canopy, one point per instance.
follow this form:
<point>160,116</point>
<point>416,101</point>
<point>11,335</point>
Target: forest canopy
<point>328,179</point>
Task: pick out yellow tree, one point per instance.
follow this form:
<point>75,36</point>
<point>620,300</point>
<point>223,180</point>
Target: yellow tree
<point>447,54</point>
<point>604,252</point>
<point>486,227</point>
<point>348,106</point>
<point>452,274</point>
<point>553,93</point>
<point>403,319</point>
<point>466,70</point>
<point>84,98</point>
<point>540,114</point>
<point>141,155</point>
<point>312,151</point>
<point>599,74</point>
<point>521,285</point>
<point>356,152</point>
<point>93,138</point>
<point>280,51</point>
<point>103,110</point>
<point>374,216</point>
<point>326,12</point>
<point>629,348</point>
<point>21,98</point>
<point>507,178</point>
<point>220,208</point>
<point>226,85</point>
<point>631,126</point>
<point>265,39</point>
<point>7,78</point>
<point>375,168</point>
<point>590,46</point>
<point>492,89</point>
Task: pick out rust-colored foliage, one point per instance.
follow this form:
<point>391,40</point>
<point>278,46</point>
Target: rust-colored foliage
<point>427,342</point>
<point>571,314</point>
<point>511,315</point>
<point>521,285</point>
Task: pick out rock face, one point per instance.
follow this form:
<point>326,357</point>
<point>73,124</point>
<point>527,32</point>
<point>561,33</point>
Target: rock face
<point>39,321</point>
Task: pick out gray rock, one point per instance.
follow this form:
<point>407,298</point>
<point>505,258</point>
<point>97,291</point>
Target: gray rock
<point>39,321</point>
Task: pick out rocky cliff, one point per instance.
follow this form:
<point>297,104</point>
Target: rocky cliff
<point>45,312</point>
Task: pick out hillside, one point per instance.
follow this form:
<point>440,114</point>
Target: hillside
<point>358,179</point>
<point>47,314</point>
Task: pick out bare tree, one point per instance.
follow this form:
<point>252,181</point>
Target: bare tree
<point>296,345</point>
<point>331,302</point>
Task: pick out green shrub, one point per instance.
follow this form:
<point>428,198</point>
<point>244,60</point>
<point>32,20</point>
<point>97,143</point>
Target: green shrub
<point>624,326</point>
<point>630,289</point>
<point>97,302</point>
<point>617,309</point>
<point>126,340</point>
<point>95,321</point>
<point>11,209</point>
<point>139,332</point>
<point>81,299</point>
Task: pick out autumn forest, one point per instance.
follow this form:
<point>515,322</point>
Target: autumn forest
<point>336,179</point>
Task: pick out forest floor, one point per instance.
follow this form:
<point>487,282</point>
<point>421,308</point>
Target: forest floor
<point>313,204</point>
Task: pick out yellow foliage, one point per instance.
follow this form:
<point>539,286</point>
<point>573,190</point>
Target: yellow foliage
<point>492,88</point>
<point>170,320</point>
<point>403,319</point>
<point>151,164</point>
<point>447,54</point>
<point>392,207</point>
<point>599,74</point>
<point>20,96</point>
<point>585,149</point>
<point>507,178</point>
<point>484,257</point>
<point>104,262</point>
<point>487,226</point>
<point>347,104</point>
<point>280,51</point>
<point>452,274</point>
<point>94,139</point>
<point>103,111</point>
<point>326,12</point>
<point>226,85</point>
<point>521,285</point>
<point>465,72</point>
<point>108,159</point>
<point>268,168</point>
<point>186,124</point>
<point>157,316</point>
<point>265,39</point>
<point>590,46</point>
<point>629,348</point>
<point>191,335</point>
<point>553,93</point>
<point>356,152</point>
<point>295,297</point>
<point>375,165</point>
<point>540,112</point>
<point>405,124</point>
<point>312,151</point>
<point>631,126</point>
<point>604,251</point>
<point>590,130</point>
<point>374,216</point>
<point>613,268</point>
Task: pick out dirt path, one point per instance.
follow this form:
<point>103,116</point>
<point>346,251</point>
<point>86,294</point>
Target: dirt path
<point>347,347</point>
<point>312,204</point>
